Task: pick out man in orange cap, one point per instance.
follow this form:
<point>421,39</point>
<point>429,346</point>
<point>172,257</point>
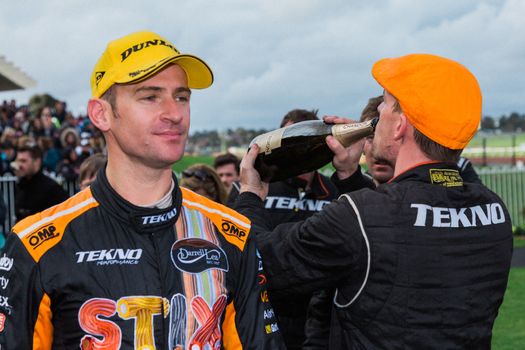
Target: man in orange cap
<point>134,261</point>
<point>422,261</point>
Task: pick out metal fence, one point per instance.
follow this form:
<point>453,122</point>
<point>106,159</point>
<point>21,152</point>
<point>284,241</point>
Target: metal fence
<point>508,183</point>
<point>7,187</point>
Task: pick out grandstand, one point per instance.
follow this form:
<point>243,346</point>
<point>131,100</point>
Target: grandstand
<point>12,78</point>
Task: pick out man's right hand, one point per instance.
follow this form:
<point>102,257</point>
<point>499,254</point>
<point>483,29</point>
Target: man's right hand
<point>250,179</point>
<point>346,160</point>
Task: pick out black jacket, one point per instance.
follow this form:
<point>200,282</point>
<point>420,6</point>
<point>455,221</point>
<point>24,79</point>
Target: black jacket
<point>288,201</point>
<point>419,263</point>
<point>99,271</point>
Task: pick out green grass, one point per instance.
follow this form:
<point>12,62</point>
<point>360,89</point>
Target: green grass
<point>186,161</point>
<point>519,242</point>
<point>509,328</point>
<point>504,140</point>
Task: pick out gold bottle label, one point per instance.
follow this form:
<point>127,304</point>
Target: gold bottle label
<point>269,141</point>
<point>347,134</point>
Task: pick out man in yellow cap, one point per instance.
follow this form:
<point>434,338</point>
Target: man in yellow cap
<point>134,261</point>
<point>422,261</point>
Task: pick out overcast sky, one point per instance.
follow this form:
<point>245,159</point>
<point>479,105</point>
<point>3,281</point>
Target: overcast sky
<point>271,56</point>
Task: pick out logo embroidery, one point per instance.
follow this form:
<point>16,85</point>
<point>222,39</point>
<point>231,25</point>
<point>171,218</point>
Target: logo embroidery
<point>6,263</point>
<point>230,229</point>
<point>196,255</point>
<point>43,234</point>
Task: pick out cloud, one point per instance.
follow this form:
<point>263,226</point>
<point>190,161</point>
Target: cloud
<point>270,57</point>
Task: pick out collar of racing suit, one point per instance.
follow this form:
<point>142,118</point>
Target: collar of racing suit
<point>438,173</point>
<point>144,220</point>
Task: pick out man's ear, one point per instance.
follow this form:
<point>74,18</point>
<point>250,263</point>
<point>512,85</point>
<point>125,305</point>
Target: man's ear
<point>401,127</point>
<point>99,112</point>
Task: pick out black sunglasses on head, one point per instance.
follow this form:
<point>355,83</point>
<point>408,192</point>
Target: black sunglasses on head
<point>199,174</point>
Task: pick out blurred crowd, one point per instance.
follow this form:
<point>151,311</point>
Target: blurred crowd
<point>65,140</point>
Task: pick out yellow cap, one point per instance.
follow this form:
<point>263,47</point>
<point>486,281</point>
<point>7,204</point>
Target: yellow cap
<point>440,97</point>
<point>138,56</point>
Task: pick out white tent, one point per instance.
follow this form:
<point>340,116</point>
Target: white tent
<point>12,78</point>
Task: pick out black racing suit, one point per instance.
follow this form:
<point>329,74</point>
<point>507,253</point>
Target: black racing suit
<point>97,272</point>
<point>288,201</point>
<point>419,263</point>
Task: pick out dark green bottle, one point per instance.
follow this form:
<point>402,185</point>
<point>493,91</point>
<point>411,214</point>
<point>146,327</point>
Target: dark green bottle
<point>301,147</point>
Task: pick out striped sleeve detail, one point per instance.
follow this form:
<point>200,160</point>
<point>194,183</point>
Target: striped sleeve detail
<point>233,226</point>
<point>43,333</point>
<point>42,231</point>
<point>231,338</point>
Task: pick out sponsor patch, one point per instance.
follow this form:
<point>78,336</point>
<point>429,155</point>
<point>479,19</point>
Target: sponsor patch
<point>445,177</point>
<point>2,322</point>
<point>196,255</point>
<point>230,229</point>
<point>114,256</point>
<point>42,235</point>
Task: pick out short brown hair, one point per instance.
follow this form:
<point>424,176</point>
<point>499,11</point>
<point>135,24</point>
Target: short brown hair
<point>370,111</point>
<point>434,150</point>
<point>227,158</point>
<point>299,115</point>
<point>91,165</point>
<point>204,177</point>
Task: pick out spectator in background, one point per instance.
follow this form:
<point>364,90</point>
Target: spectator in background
<point>34,191</point>
<point>59,111</point>
<point>89,169</point>
<point>69,166</point>
<point>51,155</point>
<point>50,128</point>
<point>7,156</point>
<point>379,170</point>
<point>227,167</point>
<point>69,138</point>
<point>204,180</point>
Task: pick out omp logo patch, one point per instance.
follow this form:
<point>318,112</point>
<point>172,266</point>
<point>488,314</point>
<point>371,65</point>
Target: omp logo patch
<point>196,255</point>
<point>42,235</point>
<point>445,177</point>
<point>230,229</point>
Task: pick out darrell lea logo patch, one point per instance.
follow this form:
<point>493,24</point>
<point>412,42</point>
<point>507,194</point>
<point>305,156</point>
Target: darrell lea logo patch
<point>196,255</point>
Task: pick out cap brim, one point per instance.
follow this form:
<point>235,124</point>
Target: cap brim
<point>197,71</point>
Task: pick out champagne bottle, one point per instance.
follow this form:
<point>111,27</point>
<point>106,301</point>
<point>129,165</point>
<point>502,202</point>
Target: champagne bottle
<point>301,147</point>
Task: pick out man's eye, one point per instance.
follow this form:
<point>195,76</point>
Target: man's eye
<point>182,98</point>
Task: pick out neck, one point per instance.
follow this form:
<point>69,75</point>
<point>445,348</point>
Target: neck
<point>408,157</point>
<point>137,183</point>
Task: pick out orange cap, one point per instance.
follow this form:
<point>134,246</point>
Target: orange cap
<point>440,97</point>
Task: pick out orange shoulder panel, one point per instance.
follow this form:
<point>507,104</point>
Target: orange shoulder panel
<point>233,226</point>
<point>42,231</point>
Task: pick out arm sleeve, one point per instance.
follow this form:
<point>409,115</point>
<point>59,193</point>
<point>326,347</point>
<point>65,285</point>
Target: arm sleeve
<point>313,254</point>
<point>355,182</point>
<point>24,308</point>
<point>250,321</point>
